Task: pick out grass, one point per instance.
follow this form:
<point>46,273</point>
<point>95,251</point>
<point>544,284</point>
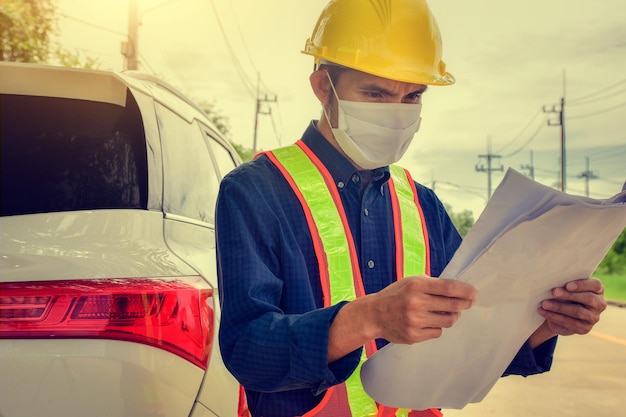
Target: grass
<point>615,286</point>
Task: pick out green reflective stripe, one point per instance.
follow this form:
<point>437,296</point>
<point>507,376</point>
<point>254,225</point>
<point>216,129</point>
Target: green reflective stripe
<point>336,247</point>
<point>414,247</point>
<point>361,404</point>
<point>412,232</point>
<point>327,220</point>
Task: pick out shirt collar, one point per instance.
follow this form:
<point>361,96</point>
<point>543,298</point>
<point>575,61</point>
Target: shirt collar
<point>338,165</point>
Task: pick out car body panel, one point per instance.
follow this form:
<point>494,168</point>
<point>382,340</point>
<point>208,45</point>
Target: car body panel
<point>103,377</point>
<point>69,245</point>
<point>94,378</point>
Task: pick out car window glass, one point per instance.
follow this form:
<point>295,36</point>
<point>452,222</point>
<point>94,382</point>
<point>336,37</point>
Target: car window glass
<point>223,157</point>
<point>190,182</point>
<point>63,154</point>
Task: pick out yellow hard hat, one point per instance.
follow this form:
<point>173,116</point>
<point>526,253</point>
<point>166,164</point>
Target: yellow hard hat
<point>394,39</point>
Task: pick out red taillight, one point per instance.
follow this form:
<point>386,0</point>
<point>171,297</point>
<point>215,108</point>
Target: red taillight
<point>171,314</point>
<point>242,407</point>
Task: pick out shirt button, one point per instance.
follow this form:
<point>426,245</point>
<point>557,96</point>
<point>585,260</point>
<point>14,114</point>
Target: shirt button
<point>367,212</point>
<point>355,178</point>
<point>370,264</point>
<point>340,184</point>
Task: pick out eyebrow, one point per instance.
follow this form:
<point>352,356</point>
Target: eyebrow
<point>384,91</point>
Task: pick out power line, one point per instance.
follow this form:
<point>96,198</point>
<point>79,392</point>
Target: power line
<point>521,132</point>
<point>280,120</point>
<point>603,97</point>
<point>276,132</point>
<point>249,85</point>
<point>596,92</point>
<point>247,50</point>
<point>530,139</point>
<point>84,22</point>
<point>600,153</point>
<point>489,169</point>
<point>597,112</point>
<point>561,123</point>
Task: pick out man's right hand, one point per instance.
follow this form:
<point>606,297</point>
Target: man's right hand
<point>408,311</point>
<point>418,308</point>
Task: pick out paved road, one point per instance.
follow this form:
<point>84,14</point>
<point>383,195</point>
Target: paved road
<point>588,378</point>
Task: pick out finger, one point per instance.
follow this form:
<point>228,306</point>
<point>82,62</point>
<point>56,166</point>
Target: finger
<point>588,299</point>
<point>420,335</point>
<point>444,305</point>
<point>572,310</point>
<point>587,284</point>
<point>563,324</point>
<point>449,288</point>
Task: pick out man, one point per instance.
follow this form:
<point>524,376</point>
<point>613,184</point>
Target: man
<point>327,251</point>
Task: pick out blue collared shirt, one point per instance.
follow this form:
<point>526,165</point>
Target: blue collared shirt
<point>274,328</point>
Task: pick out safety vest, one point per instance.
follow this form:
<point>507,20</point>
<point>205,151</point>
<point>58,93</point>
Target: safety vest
<point>340,274</point>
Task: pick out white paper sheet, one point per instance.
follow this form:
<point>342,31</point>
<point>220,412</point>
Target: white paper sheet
<point>529,239</point>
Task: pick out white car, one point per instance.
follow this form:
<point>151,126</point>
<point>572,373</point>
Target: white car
<point>108,293</point>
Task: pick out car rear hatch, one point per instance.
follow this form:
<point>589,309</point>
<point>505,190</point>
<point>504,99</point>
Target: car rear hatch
<point>97,315</point>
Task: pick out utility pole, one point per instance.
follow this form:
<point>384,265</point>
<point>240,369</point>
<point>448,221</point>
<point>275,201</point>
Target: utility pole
<point>259,101</point>
<point>530,167</point>
<point>130,48</point>
<point>489,169</point>
<point>587,175</point>
<point>560,122</point>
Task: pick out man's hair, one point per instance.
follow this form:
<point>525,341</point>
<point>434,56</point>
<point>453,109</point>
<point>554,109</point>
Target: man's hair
<point>334,71</point>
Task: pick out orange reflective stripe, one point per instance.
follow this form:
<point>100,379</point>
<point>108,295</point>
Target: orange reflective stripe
<point>425,240</point>
<point>306,172</point>
<point>411,238</point>
<point>330,184</point>
<point>397,231</point>
<point>317,240</point>
<point>340,274</point>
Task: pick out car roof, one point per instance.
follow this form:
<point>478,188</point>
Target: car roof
<point>61,82</point>
<point>94,85</point>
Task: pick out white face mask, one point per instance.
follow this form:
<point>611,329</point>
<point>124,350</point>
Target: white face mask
<point>374,135</point>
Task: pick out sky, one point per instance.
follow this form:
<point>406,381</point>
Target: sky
<point>514,61</point>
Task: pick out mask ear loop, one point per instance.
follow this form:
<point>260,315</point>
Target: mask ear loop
<point>330,105</point>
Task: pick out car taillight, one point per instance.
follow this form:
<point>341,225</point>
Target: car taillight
<point>172,314</point>
<point>242,407</point>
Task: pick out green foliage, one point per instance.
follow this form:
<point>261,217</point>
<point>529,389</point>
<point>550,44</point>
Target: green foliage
<point>26,30</point>
<point>222,124</point>
<point>246,154</point>
<point>463,220</point>
<point>67,58</point>
<point>614,286</point>
<point>220,121</point>
<point>615,260</point>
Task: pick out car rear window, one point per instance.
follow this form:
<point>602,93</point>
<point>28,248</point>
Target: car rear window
<point>66,154</point>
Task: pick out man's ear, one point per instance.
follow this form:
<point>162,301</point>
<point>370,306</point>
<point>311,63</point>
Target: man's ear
<point>321,86</point>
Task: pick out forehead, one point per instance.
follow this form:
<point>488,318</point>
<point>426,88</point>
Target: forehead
<point>350,78</point>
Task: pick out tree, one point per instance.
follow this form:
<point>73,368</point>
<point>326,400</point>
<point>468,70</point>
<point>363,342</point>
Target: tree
<point>615,260</point>
<point>26,30</point>
<point>74,59</point>
<point>246,154</point>
<point>220,121</point>
<point>463,220</point>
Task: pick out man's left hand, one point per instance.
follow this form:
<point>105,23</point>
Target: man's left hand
<point>575,309</point>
